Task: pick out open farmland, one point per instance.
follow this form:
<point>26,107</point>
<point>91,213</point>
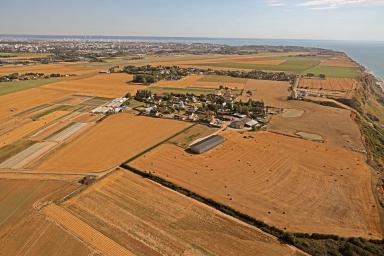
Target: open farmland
<point>77,68</point>
<point>22,131</point>
<point>22,55</point>
<point>332,84</point>
<point>184,82</point>
<point>14,103</point>
<point>193,60</point>
<point>26,156</point>
<point>338,62</point>
<point>148,219</point>
<point>330,87</point>
<point>15,86</point>
<point>272,93</point>
<point>23,230</point>
<point>194,82</point>
<point>102,85</point>
<point>110,143</point>
<point>334,125</point>
<point>175,90</point>
<point>341,72</point>
<point>291,64</point>
<point>289,183</point>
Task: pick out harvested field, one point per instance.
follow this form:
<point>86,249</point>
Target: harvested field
<point>22,131</point>
<point>310,136</point>
<point>292,113</point>
<point>87,118</point>
<point>103,85</point>
<point>196,132</point>
<point>289,64</point>
<point>151,220</point>
<point>201,81</point>
<point>33,110</point>
<point>195,91</point>
<point>185,82</point>
<point>273,93</point>
<point>110,143</point>
<point>24,231</point>
<point>50,129</point>
<point>290,183</point>
<point>17,102</point>
<point>270,59</point>
<point>335,125</point>
<point>84,232</point>
<point>331,84</point>
<point>96,101</point>
<point>338,62</point>
<point>26,156</point>
<point>72,100</point>
<point>223,79</point>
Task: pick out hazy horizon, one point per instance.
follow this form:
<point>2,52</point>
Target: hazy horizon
<point>188,37</point>
<point>350,20</point>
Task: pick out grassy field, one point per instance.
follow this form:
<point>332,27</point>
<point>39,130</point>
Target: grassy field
<point>292,64</point>
<point>341,72</point>
<point>196,91</point>
<point>10,87</point>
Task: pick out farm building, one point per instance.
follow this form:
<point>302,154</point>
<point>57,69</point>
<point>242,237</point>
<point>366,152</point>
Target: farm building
<point>206,144</point>
<point>243,122</point>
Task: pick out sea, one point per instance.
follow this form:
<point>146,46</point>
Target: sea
<point>370,54</point>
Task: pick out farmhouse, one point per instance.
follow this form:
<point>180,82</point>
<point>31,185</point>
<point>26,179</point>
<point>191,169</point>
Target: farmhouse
<point>206,144</point>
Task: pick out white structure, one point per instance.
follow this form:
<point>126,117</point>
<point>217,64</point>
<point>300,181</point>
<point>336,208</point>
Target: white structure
<point>113,106</point>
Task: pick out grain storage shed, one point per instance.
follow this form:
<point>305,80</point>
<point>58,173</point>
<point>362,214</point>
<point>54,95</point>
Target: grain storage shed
<point>206,144</point>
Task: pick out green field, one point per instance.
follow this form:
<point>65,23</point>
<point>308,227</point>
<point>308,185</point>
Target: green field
<point>292,64</point>
<point>196,91</point>
<point>6,54</point>
<point>342,72</point>
<point>15,86</point>
<point>223,79</point>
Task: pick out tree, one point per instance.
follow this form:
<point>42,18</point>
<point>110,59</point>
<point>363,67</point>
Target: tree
<point>322,76</point>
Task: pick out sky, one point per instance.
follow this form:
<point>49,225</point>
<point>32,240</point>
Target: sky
<point>282,19</point>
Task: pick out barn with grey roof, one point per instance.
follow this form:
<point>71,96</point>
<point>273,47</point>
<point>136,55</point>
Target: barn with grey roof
<point>206,144</point>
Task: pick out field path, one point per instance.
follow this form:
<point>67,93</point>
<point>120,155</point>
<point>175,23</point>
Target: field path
<point>85,232</point>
